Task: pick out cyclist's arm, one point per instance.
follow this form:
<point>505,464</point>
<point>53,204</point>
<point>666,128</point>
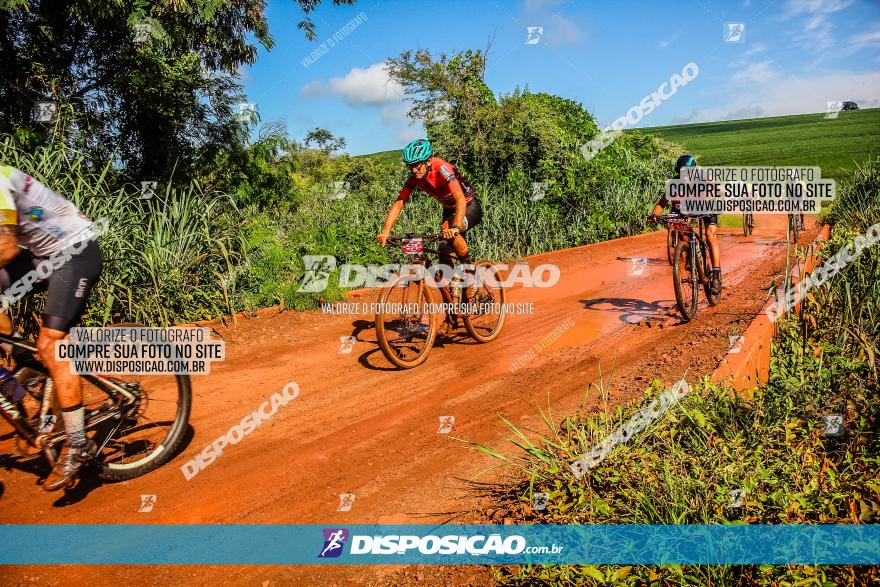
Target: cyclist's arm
<point>660,206</point>
<point>454,185</point>
<point>460,205</point>
<point>8,226</point>
<point>393,213</point>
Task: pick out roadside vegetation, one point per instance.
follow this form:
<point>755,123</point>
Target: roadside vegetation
<point>769,443</point>
<point>227,226</point>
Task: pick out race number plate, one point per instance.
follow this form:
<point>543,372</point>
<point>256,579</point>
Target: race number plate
<point>412,246</point>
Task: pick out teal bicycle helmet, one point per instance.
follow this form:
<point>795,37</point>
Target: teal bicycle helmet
<point>686,160</point>
<point>417,151</point>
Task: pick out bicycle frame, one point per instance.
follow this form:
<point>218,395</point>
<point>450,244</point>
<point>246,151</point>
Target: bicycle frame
<point>43,441</point>
<point>684,226</point>
<point>422,259</point>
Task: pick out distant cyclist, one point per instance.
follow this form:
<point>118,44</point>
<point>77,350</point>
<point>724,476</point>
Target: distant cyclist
<point>711,221</point>
<point>34,216</point>
<point>440,180</point>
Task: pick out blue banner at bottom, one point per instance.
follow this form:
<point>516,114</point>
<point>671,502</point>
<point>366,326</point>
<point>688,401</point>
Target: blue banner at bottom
<point>445,544</point>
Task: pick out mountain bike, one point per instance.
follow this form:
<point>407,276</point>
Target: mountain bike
<point>409,310</point>
<point>691,265</point>
<point>137,422</point>
<point>748,223</point>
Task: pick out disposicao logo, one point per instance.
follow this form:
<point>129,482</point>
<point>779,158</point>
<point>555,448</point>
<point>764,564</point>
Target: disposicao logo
<point>334,541</point>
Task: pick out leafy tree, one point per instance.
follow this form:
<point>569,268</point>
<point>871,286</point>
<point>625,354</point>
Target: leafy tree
<point>539,133</point>
<point>525,137</point>
<point>325,140</point>
<point>451,98</point>
<point>148,83</point>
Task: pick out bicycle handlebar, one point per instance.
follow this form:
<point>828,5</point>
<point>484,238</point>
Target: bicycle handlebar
<point>665,218</point>
<point>424,237</point>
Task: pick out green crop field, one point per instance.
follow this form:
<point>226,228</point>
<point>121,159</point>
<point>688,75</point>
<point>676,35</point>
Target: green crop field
<point>389,156</point>
<point>835,145</point>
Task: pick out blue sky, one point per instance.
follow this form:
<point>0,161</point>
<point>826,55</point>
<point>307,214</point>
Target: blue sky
<point>794,56</point>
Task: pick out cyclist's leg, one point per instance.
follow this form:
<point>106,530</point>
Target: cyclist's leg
<point>715,250</point>
<point>444,249</point>
<point>712,238</point>
<point>69,287</point>
<point>473,215</point>
<point>14,285</point>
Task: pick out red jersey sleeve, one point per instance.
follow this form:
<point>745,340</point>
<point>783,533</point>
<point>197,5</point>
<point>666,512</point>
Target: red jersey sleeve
<point>452,182</point>
<point>406,191</point>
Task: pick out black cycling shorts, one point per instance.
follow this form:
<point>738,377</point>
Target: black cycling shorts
<point>473,215</point>
<point>68,286</point>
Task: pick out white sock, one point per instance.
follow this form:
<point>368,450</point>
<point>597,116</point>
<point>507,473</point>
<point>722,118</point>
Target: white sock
<point>74,424</point>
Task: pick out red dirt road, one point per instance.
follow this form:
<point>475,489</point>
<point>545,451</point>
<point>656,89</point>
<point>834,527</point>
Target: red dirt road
<point>361,427</point>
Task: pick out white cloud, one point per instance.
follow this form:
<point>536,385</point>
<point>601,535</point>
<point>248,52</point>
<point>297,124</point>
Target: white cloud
<point>395,114</point>
<point>409,134</point>
<point>755,73</point>
<point>666,42</point>
<point>818,30</point>
<point>817,6</point>
<point>370,86</point>
<point>781,95</point>
<point>538,5</point>
<point>754,49</point>
<point>559,30</point>
<point>864,40</point>
<point>562,32</point>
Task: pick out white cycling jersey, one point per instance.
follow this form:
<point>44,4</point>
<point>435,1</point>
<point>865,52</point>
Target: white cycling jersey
<point>47,223</point>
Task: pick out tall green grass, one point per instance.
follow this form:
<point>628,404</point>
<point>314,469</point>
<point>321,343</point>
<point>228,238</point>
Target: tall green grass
<point>162,256</point>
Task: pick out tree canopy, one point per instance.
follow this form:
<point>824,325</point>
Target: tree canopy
<point>148,83</point>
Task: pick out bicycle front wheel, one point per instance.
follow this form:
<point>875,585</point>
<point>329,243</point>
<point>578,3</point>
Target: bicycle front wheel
<point>145,435</point>
<point>685,280</point>
<point>485,311</point>
<point>671,241</point>
<point>405,324</point>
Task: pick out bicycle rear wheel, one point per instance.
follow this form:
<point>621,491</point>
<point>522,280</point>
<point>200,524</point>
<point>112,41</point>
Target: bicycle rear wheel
<point>685,280</point>
<point>703,260</point>
<point>405,325</point>
<point>485,299</point>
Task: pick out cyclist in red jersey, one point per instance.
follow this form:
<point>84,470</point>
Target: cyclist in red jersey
<point>440,180</point>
